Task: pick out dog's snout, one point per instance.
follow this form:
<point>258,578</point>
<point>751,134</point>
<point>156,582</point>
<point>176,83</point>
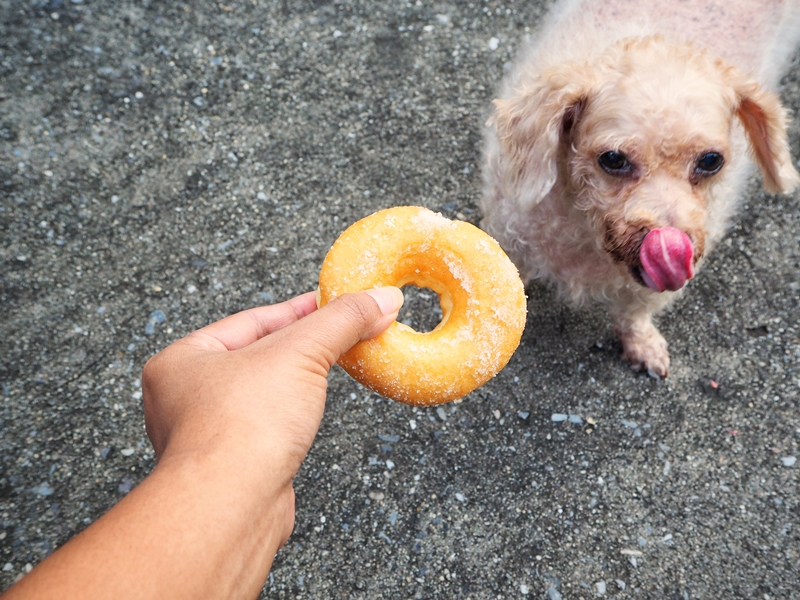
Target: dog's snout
<point>622,241</point>
<point>659,257</point>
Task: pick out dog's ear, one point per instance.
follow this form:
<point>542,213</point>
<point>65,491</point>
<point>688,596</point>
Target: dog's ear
<point>764,121</point>
<point>532,124</point>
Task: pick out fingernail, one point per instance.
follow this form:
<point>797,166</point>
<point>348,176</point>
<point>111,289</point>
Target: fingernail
<point>389,299</point>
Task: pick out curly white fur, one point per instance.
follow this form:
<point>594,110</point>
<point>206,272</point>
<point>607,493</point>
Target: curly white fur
<point>663,84</point>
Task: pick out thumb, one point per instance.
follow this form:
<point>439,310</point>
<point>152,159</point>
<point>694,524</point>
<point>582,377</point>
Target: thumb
<point>348,319</point>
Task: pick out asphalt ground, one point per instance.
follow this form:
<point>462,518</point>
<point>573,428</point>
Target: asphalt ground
<point>163,164</point>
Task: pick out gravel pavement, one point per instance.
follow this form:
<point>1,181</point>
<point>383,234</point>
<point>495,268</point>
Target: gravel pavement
<point>163,164</point>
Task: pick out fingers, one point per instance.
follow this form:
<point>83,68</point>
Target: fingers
<point>343,323</point>
<point>335,328</point>
<point>388,299</point>
<point>244,328</point>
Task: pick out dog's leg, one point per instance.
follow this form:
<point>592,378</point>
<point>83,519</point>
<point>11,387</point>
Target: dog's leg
<point>643,345</point>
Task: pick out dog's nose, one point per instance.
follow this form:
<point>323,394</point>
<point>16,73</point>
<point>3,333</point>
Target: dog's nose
<point>666,256</point>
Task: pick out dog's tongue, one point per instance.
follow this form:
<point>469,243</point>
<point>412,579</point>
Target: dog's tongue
<point>666,257</point>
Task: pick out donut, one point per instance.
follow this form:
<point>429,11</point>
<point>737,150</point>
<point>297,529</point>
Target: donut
<point>481,295</point>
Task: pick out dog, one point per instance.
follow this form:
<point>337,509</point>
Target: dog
<point>621,140</point>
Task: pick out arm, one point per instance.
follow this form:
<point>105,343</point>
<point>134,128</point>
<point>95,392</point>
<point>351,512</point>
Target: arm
<point>231,410</point>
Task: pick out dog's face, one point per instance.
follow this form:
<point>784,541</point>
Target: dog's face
<point>644,152</point>
<point>639,139</point>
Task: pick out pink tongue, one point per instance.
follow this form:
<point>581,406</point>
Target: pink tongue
<point>666,256</point>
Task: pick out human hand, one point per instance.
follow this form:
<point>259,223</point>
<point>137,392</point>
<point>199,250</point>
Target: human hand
<point>248,392</point>
<point>252,386</point>
<point>258,378</point>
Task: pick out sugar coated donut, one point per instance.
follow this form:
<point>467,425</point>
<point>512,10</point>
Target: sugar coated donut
<point>480,292</point>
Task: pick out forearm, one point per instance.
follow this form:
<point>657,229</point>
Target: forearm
<point>195,528</point>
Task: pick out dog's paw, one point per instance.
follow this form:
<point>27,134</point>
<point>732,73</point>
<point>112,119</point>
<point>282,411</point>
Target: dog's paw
<point>646,351</point>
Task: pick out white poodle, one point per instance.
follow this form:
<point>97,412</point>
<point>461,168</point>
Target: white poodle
<point>620,143</point>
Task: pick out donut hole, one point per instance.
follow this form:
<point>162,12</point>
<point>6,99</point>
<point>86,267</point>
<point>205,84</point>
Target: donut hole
<point>421,310</point>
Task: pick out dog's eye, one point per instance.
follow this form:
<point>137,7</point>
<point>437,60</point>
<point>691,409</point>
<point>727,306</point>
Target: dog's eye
<point>615,163</point>
<point>709,163</point>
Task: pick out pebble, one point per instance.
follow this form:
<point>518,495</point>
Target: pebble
<point>601,587</point>
<point>553,594</point>
<point>789,461</point>
<point>524,589</point>
<point>460,497</point>
<point>156,318</point>
<point>390,438</point>
<point>620,584</point>
<point>43,489</point>
<point>577,419</point>
<point>630,424</point>
<point>559,417</point>
<point>8,567</point>
<point>493,43</point>
<point>127,451</point>
<point>442,414</point>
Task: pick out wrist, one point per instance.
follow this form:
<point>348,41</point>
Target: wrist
<point>245,482</point>
<point>250,470</point>
<point>245,449</point>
